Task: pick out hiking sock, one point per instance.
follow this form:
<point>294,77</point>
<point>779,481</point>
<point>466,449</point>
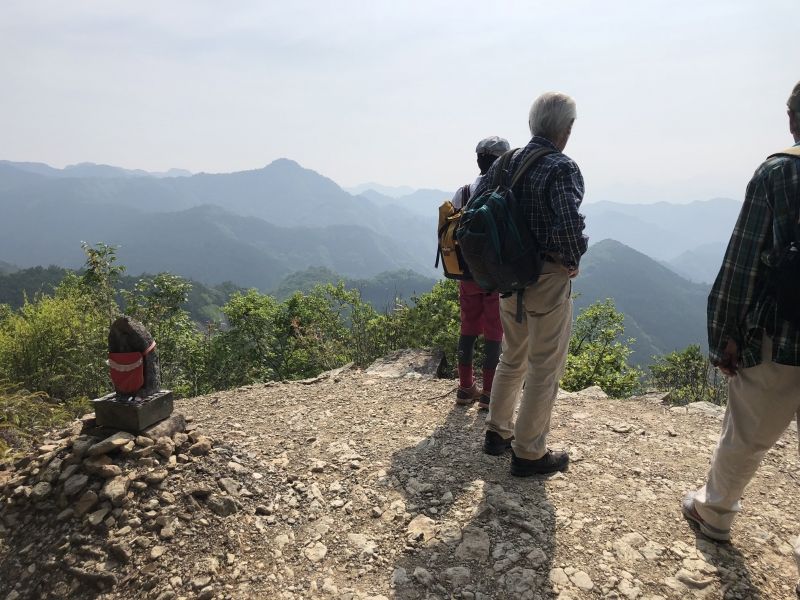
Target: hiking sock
<point>465,377</point>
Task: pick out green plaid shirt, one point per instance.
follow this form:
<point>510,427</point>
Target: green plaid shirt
<point>739,305</point>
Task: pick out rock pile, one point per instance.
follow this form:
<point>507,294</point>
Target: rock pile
<point>99,490</point>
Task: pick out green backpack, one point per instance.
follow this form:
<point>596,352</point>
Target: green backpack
<point>495,240</point>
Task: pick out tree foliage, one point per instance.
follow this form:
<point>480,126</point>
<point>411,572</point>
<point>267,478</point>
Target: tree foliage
<point>597,353</point>
<point>55,344</point>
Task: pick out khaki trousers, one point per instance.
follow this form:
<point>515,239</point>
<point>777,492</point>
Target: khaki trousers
<point>534,351</point>
<point>762,401</point>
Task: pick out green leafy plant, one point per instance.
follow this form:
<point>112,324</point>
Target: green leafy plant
<point>24,415</point>
<point>688,376</point>
<point>598,355</point>
<point>158,303</point>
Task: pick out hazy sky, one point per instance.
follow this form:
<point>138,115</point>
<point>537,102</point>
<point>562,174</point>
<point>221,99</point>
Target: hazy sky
<point>677,100</point>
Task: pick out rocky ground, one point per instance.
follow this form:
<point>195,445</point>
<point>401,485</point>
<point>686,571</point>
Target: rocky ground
<point>372,484</point>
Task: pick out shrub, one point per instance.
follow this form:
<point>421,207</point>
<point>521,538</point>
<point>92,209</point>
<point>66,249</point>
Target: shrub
<point>24,415</point>
<point>688,376</point>
<point>56,345</point>
<point>597,355</point>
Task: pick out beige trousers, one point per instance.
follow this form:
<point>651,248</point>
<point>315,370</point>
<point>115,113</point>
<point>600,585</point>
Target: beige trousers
<point>762,401</point>
<point>534,351</point>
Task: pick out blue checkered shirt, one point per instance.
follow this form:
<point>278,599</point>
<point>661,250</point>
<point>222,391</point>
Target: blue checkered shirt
<point>550,193</point>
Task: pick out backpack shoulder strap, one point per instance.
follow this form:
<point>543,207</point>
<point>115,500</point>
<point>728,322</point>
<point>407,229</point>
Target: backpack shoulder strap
<point>793,151</point>
<point>465,193</point>
<point>502,167</point>
<point>532,159</point>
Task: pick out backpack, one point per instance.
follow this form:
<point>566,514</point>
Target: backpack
<point>496,242</point>
<point>785,274</point>
<point>448,250</point>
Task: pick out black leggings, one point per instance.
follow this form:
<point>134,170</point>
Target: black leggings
<point>466,350</point>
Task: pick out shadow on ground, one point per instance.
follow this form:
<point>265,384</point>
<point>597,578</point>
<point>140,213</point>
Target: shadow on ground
<point>734,576</point>
<point>478,533</point>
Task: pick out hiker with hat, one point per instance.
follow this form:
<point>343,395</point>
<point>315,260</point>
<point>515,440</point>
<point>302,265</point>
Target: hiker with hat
<point>754,335</point>
<point>480,311</point>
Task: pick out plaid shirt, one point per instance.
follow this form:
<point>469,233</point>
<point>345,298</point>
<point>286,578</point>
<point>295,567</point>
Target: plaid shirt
<point>550,193</point>
<point>739,305</point>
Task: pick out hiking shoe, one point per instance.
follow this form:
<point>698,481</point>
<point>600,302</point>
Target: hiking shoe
<point>483,401</point>
<point>551,462</point>
<point>691,514</point>
<point>495,444</point>
<point>466,396</point>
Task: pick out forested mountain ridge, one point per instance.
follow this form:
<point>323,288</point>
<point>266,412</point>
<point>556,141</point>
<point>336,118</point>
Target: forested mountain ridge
<point>256,228</point>
<point>663,311</point>
<point>689,238</point>
<point>204,301</point>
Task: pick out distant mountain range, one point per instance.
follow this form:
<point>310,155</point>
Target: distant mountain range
<point>252,227</point>
<point>384,190</point>
<point>663,311</point>
<point>257,228</point>
<point>689,238</point>
<point>6,268</point>
<point>88,169</point>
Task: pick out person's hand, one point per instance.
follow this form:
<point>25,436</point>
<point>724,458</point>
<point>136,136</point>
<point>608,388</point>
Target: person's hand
<point>730,359</point>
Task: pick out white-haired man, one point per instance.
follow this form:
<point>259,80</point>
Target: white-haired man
<point>753,337</point>
<point>535,348</point>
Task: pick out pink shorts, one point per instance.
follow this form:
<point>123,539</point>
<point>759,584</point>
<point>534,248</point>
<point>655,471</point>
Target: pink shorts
<point>480,312</point>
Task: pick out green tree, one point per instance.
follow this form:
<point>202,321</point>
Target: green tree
<point>101,276</point>
<point>597,354</point>
<point>56,345</point>
<point>158,303</point>
<point>432,320</point>
<point>688,376</point>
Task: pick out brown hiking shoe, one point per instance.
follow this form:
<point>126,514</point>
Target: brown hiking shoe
<point>466,396</point>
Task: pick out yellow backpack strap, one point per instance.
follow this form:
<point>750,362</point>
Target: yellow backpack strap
<point>793,151</point>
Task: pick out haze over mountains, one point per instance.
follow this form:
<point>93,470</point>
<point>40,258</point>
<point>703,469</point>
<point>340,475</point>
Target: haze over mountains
<point>255,228</point>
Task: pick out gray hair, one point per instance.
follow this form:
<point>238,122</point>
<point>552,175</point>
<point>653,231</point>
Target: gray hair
<point>794,100</point>
<point>551,115</point>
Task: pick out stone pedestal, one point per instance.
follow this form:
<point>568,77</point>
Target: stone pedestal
<point>121,414</point>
